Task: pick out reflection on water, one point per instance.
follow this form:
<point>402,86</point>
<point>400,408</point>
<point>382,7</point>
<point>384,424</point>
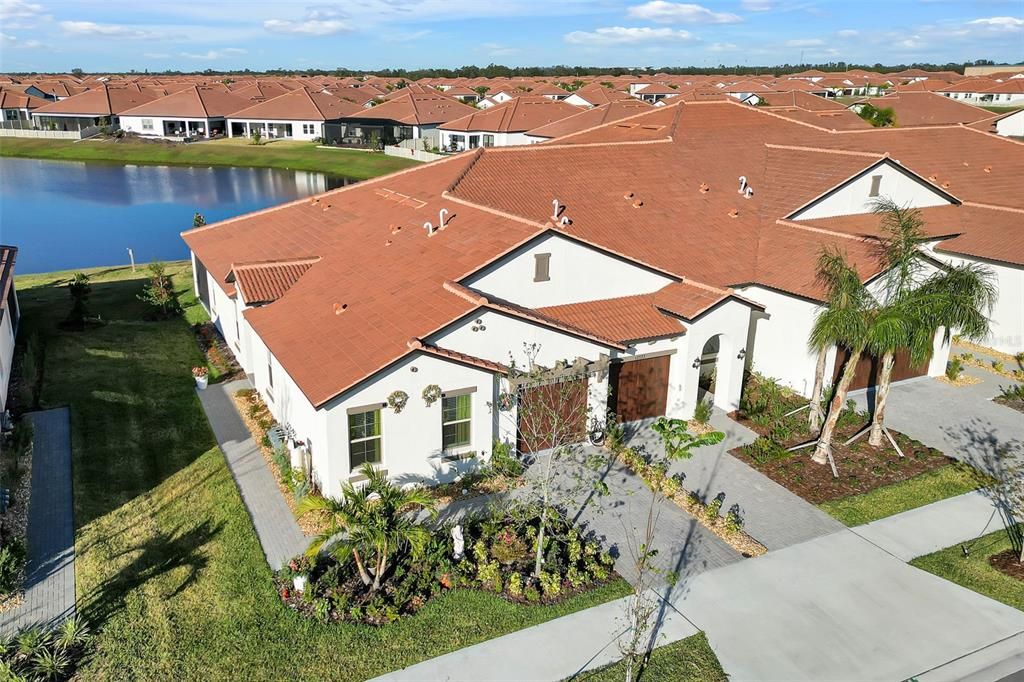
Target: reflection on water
<point>67,214</point>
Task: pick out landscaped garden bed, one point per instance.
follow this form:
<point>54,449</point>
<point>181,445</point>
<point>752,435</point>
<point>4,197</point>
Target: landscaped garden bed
<point>1012,397</point>
<point>766,409</point>
<point>496,555</point>
<point>16,477</point>
<point>502,473</point>
<point>222,362</point>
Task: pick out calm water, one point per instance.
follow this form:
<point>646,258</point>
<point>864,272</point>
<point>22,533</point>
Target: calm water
<point>68,214</point>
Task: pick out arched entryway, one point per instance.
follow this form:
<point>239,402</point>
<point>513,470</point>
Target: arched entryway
<point>714,371</point>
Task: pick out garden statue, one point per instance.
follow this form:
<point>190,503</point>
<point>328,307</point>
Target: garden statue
<point>460,544</point>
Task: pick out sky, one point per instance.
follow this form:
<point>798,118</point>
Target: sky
<point>112,35</point>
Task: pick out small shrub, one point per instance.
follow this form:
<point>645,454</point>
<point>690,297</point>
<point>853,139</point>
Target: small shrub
<point>158,293</point>
<point>503,462</point>
<point>1014,392</point>
<point>714,507</point>
<point>550,584</point>
<point>953,369</point>
<point>734,520</point>
<point>508,547</point>
<point>12,559</point>
<point>702,413</point>
<point>765,450</point>
<point>514,585</point>
<point>531,594</point>
<point>998,366</point>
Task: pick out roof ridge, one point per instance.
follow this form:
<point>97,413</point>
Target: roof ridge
<point>993,207</point>
<point>268,263</point>
<point>819,230</point>
<point>826,150</point>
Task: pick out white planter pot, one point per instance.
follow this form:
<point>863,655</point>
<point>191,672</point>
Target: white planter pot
<point>202,382</point>
<point>299,583</point>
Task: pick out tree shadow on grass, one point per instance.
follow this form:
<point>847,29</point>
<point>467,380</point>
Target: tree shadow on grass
<point>153,559</point>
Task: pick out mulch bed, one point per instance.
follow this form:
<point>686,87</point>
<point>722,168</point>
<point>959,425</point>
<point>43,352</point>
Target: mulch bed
<point>1012,404</point>
<point>1008,562</point>
<point>861,467</point>
<point>219,356</point>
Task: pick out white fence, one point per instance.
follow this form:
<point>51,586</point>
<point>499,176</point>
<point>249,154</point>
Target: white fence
<point>52,134</point>
<point>417,154</point>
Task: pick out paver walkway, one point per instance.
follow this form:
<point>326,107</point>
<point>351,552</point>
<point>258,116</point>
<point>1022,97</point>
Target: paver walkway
<point>275,525</point>
<point>772,515</point>
<point>50,569</point>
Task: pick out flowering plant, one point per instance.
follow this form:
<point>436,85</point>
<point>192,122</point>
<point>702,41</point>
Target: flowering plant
<point>199,372</point>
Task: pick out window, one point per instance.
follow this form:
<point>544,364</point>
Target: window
<point>455,419</point>
<point>488,140</point>
<point>876,184</point>
<point>364,438</point>
<point>270,370</point>
<point>308,128</point>
<point>147,124</point>
<point>474,141</point>
<point>541,267</point>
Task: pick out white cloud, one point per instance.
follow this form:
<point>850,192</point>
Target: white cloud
<point>722,47</point>
<point>680,13</point>
<point>310,27</point>
<point>756,5</point>
<point>620,35</point>
<point>211,55</point>
<point>17,9</point>
<point>1000,23</point>
<point>805,42</point>
<point>499,50</point>
<point>13,42</point>
<point>90,28</point>
<point>848,33</point>
<point>156,55</point>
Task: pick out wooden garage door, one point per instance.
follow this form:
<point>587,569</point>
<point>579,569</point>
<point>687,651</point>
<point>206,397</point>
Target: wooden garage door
<point>640,388</point>
<point>868,366</point>
<point>553,413</point>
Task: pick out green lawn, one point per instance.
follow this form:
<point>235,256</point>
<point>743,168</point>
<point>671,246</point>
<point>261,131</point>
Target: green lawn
<point>974,572</point>
<point>688,660</point>
<point>228,152</point>
<point>169,569</point>
<point>931,486</point>
<point>1000,110</point>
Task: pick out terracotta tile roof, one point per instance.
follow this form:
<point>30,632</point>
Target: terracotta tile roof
<point>989,233</point>
<point>515,116</point>
<point>971,85</point>
<point>927,109</point>
<point>416,109</point>
<point>300,105</point>
<point>194,102</point>
<point>100,101</point>
<point>266,281</point>
<point>803,100</point>
<point>592,118</point>
<point>597,94</point>
<point>825,119</point>
<point>447,354</point>
<point>12,99</point>
<point>629,318</point>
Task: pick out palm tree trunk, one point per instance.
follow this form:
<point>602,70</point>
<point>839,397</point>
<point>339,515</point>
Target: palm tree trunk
<point>824,448</point>
<point>363,575</point>
<point>382,563</point>
<point>815,418</point>
<point>881,394</point>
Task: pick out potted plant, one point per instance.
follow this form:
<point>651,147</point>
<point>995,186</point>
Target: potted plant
<point>202,377</point>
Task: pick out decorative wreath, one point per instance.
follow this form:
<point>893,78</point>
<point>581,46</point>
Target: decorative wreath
<point>506,401</point>
<point>431,394</point>
<point>397,401</point>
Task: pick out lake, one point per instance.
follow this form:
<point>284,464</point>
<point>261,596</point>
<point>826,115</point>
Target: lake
<point>64,215</point>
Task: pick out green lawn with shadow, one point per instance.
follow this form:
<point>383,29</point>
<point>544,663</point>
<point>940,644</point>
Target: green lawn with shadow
<point>169,570</point>
<point>688,660</point>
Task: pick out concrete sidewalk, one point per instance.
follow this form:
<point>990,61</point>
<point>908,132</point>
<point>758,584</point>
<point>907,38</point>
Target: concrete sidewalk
<point>934,526</point>
<point>555,650</point>
<point>279,534</point>
<point>50,569</point>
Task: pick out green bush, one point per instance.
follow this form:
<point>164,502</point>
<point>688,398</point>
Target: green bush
<point>765,450</point>
<point>12,560</point>
<point>503,462</point>
<point>158,293</point>
<point>953,369</point>
<point>702,413</point>
<point>1014,392</point>
<point>44,654</point>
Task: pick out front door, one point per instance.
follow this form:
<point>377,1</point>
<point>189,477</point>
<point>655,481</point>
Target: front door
<point>639,388</point>
<point>552,414</point>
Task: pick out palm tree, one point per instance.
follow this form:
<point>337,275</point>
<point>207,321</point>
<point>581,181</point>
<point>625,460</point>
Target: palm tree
<point>913,306</point>
<point>370,523</point>
<point>845,320</point>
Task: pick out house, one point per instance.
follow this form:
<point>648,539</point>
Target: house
<point>1009,124</point>
<point>594,95</point>
<point>503,125</point>
<point>410,116</point>
<point>655,93</point>
<point>925,109</point>
<point>638,256</point>
<point>196,111</point>
<point>589,118</point>
<point>101,105</point>
<point>10,315</point>
<point>297,114</point>
<point>18,106</point>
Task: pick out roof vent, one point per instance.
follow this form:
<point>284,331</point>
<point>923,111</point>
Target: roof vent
<point>704,188</point>
<point>326,206</point>
<point>429,227</point>
<point>638,203</point>
<point>933,178</point>
<point>388,243</point>
<point>440,219</point>
<point>945,185</point>
<point>748,192</point>
<point>339,308</point>
<point>628,195</point>
<point>743,184</point>
<point>555,208</point>
<point>988,169</point>
<point>734,213</point>
<point>315,201</point>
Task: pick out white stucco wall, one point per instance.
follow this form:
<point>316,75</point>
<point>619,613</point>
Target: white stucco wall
<point>500,139</point>
<point>1011,125</point>
<point>133,124</point>
<point>264,124</point>
<point>577,273</point>
<point>6,354</point>
<point>854,197</point>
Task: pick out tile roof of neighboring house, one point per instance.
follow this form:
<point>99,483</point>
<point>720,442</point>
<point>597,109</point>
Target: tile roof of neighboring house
<point>927,85</point>
<point>591,118</point>
<point>100,101</point>
<point>596,94</point>
<point>546,89</point>
<point>266,281</point>
<point>927,109</point>
<point>842,119</point>
<point>516,115</point>
<point>300,105</point>
<point>416,109</point>
<point>1012,85</point>
<point>798,98</point>
<point>193,102</point>
<point>658,188</point>
<point>971,85</point>
<point>12,99</point>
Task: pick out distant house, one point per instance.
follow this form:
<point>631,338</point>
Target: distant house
<point>925,109</point>
<point>503,125</point>
<point>594,95</point>
<point>192,112</point>
<point>102,105</point>
<point>589,118</point>
<point>10,315</point>
<point>411,116</point>
<point>18,106</point>
<point>299,114</point>
<point>655,93</point>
